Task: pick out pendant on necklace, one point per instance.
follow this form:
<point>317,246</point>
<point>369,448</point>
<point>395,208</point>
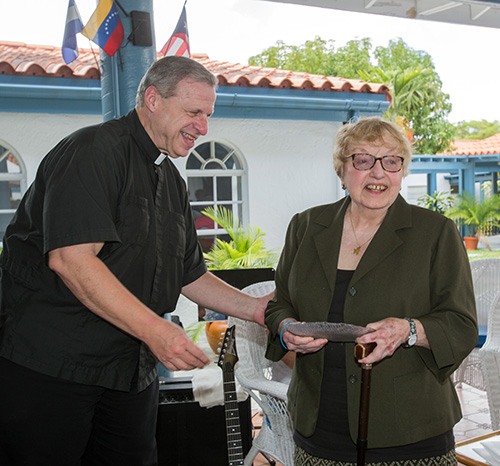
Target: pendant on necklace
<point>356,250</point>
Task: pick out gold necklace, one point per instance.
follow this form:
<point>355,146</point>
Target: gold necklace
<point>356,251</point>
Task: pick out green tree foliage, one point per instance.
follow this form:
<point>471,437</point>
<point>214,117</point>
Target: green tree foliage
<point>428,110</point>
<point>419,104</point>
<point>352,58</point>
<point>476,129</point>
<point>314,55</point>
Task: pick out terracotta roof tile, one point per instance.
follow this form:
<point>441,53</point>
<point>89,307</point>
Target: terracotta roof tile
<point>489,145</point>
<point>45,60</point>
<point>40,60</point>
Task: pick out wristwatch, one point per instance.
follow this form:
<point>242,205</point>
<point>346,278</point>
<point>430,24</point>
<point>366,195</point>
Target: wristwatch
<point>412,338</point>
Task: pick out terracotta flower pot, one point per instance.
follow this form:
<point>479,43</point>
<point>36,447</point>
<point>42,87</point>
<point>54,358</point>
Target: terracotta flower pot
<point>215,331</point>
<point>471,242</point>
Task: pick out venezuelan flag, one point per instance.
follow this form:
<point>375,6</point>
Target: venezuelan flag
<point>105,27</point>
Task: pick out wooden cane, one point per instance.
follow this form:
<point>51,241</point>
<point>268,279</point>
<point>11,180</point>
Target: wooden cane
<point>361,350</point>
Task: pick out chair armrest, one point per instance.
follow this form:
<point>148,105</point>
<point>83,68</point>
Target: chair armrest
<point>264,386</point>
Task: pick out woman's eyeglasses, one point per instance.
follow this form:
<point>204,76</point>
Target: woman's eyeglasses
<point>390,163</point>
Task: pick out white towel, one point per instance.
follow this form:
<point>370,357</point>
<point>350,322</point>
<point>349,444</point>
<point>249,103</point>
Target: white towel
<point>208,387</point>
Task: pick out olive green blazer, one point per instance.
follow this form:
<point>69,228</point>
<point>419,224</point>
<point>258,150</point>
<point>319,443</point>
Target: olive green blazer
<point>415,266</point>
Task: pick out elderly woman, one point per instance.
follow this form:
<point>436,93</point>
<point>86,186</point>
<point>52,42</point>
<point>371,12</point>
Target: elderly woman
<point>373,260</point>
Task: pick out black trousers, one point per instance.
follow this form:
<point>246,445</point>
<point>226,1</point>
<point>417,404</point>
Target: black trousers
<point>46,421</point>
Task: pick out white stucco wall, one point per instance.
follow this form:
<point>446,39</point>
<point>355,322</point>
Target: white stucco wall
<point>289,162</point>
<point>32,135</point>
<point>289,167</point>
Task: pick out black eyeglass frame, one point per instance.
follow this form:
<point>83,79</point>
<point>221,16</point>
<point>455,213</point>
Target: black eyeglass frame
<point>375,161</point>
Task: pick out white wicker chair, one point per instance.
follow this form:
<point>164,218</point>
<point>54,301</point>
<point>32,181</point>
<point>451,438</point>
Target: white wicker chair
<point>490,361</point>
<point>486,280</point>
<point>254,373</point>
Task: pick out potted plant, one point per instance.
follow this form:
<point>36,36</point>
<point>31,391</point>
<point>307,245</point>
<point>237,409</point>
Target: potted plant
<point>247,248</point>
<point>478,215</point>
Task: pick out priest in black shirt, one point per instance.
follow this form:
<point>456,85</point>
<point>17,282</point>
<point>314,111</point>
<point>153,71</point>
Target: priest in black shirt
<point>99,249</point>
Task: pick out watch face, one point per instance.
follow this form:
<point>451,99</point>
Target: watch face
<point>412,339</point>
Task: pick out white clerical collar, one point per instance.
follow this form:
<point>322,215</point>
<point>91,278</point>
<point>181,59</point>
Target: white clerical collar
<point>160,159</point>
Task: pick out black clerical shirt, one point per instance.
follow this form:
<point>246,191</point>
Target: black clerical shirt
<point>100,184</point>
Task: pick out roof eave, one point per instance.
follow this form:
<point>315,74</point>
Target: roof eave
<point>69,96</point>
<point>282,105</point>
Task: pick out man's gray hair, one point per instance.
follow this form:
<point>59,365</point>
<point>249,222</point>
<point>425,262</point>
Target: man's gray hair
<point>167,72</point>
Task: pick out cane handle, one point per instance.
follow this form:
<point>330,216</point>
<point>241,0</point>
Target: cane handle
<point>361,350</point>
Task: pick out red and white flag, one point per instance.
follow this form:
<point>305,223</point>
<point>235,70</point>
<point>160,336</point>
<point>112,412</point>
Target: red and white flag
<point>178,44</point>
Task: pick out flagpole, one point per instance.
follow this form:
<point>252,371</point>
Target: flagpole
<point>121,73</point>
<point>116,84</point>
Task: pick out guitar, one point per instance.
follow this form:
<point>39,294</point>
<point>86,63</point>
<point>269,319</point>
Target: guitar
<point>227,360</point>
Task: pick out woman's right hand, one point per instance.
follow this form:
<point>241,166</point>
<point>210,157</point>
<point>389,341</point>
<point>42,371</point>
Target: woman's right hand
<point>300,344</point>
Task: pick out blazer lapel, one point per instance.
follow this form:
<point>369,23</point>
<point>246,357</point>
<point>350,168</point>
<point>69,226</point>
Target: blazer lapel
<point>327,240</point>
<point>386,239</point>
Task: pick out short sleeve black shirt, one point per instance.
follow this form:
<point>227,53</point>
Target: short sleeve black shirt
<point>100,184</point>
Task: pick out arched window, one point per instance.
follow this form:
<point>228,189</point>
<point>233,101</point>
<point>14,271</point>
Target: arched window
<point>216,176</point>
<point>12,184</point>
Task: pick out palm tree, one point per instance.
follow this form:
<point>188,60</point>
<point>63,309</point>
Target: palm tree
<point>479,215</point>
<point>246,249</point>
<point>409,88</point>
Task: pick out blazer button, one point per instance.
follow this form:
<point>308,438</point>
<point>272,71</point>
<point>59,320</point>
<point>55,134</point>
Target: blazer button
<point>353,378</point>
<point>352,291</point>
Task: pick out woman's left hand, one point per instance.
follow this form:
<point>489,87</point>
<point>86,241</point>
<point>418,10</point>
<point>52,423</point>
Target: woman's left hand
<point>389,335</point>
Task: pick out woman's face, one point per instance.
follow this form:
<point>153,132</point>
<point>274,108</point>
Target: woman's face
<point>375,188</point>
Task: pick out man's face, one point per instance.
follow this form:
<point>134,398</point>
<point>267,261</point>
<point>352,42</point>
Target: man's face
<point>179,120</point>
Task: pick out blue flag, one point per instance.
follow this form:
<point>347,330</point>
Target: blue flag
<point>73,27</point>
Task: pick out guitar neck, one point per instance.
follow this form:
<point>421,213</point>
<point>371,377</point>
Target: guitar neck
<point>233,429</point>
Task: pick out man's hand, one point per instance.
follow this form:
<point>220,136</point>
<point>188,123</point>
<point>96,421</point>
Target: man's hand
<point>174,348</point>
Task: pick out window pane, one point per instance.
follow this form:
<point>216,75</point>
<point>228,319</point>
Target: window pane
<point>224,191</point>
<point>193,184</point>
<point>15,193</point>
<point>214,165</point>
<point>203,151</point>
<point>201,220</point>
<point>232,163</point>
<point>200,189</point>
<point>193,163</point>
<point>238,188</point>
<point>4,221</point>
<point>221,151</point>
<point>10,194</point>
<point>206,191</point>
<point>8,161</point>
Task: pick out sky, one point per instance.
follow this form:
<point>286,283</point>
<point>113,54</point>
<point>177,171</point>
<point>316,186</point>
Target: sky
<point>465,57</point>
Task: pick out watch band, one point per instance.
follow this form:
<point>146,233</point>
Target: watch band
<point>412,338</point>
